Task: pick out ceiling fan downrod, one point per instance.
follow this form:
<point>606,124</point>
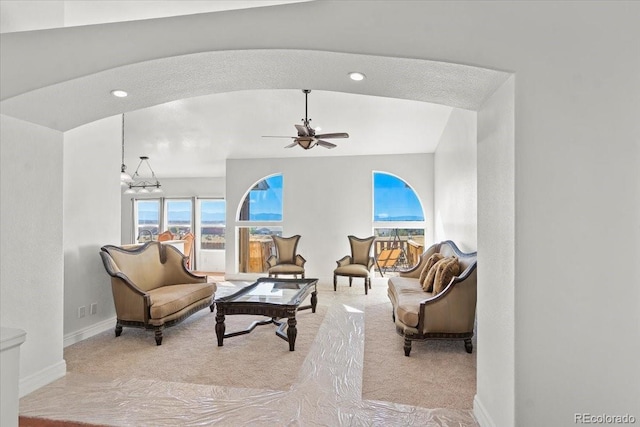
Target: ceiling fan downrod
<point>306,119</point>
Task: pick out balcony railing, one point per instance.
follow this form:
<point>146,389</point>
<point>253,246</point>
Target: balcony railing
<point>397,253</point>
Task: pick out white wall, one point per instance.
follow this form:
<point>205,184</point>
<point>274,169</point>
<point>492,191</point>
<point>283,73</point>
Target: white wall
<point>495,397</point>
<point>325,199</point>
<point>31,266</point>
<point>91,220</point>
<point>456,171</point>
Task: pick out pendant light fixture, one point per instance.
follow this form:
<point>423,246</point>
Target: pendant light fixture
<point>142,186</point>
<point>125,178</point>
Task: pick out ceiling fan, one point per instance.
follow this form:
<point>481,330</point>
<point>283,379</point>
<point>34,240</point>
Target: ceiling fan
<point>307,137</point>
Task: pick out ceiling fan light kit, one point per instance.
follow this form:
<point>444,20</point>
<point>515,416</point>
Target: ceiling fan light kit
<point>307,137</point>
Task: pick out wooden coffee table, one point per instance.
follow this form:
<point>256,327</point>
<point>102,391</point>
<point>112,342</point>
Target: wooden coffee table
<point>269,297</point>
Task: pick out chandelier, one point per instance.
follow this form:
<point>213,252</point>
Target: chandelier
<point>135,183</point>
<point>142,186</point>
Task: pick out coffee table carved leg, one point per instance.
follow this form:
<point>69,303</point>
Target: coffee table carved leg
<point>220,328</point>
<point>314,301</point>
<point>292,332</point>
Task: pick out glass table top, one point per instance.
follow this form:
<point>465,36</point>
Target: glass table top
<point>273,291</point>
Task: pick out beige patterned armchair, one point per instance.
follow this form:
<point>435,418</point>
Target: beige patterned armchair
<point>286,260</point>
<point>152,287</point>
<point>358,264</point>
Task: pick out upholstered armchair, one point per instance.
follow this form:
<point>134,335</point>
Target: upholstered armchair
<point>358,264</point>
<point>152,288</point>
<point>286,260</point>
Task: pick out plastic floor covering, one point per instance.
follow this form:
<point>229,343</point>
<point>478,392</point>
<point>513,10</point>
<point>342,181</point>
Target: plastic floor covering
<point>327,392</point>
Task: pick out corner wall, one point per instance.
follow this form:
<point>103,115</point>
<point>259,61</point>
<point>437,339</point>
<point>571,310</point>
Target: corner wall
<point>455,178</point>
<point>91,220</point>
<point>495,397</point>
<point>31,266</point>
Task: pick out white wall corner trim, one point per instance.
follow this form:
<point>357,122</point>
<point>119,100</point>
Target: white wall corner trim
<point>481,414</point>
<point>89,331</point>
<point>42,377</point>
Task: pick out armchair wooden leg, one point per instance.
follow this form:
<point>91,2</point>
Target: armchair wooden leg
<point>407,346</point>
<point>118,329</point>
<point>468,345</point>
<point>350,281</point>
<point>366,285</point>
<point>158,335</point>
<point>335,282</point>
<point>212,306</point>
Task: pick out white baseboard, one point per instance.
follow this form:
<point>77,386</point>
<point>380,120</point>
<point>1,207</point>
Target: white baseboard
<point>42,378</point>
<point>481,413</point>
<point>89,331</point>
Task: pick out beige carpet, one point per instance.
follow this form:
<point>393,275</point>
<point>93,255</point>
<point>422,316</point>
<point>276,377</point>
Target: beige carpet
<point>438,374</point>
<point>189,353</point>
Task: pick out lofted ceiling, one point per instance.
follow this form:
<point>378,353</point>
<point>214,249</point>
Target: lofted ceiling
<point>193,137</point>
<point>190,112</point>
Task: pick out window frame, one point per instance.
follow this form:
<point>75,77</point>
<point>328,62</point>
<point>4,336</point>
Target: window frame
<point>420,225</point>
<point>199,224</point>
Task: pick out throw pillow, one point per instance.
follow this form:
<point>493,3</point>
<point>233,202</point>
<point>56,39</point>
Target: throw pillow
<point>427,265</point>
<point>444,274</point>
<point>427,285</point>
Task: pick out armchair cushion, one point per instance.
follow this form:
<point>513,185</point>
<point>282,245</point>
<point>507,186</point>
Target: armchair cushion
<point>354,270</point>
<point>286,269</point>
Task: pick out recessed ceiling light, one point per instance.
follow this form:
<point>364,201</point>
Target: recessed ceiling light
<point>119,93</point>
<point>356,76</point>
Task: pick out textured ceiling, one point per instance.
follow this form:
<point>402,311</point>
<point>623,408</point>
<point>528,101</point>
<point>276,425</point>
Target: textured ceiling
<point>183,75</point>
<point>203,132</point>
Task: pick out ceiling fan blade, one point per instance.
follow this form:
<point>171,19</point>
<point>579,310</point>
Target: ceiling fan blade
<point>333,135</point>
<point>325,144</point>
<point>302,130</point>
<point>273,136</point>
<point>291,145</point>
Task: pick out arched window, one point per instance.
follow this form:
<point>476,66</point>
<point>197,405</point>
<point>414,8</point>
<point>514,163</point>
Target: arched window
<point>398,223</point>
<point>394,199</point>
<point>263,201</point>
<point>261,207</point>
